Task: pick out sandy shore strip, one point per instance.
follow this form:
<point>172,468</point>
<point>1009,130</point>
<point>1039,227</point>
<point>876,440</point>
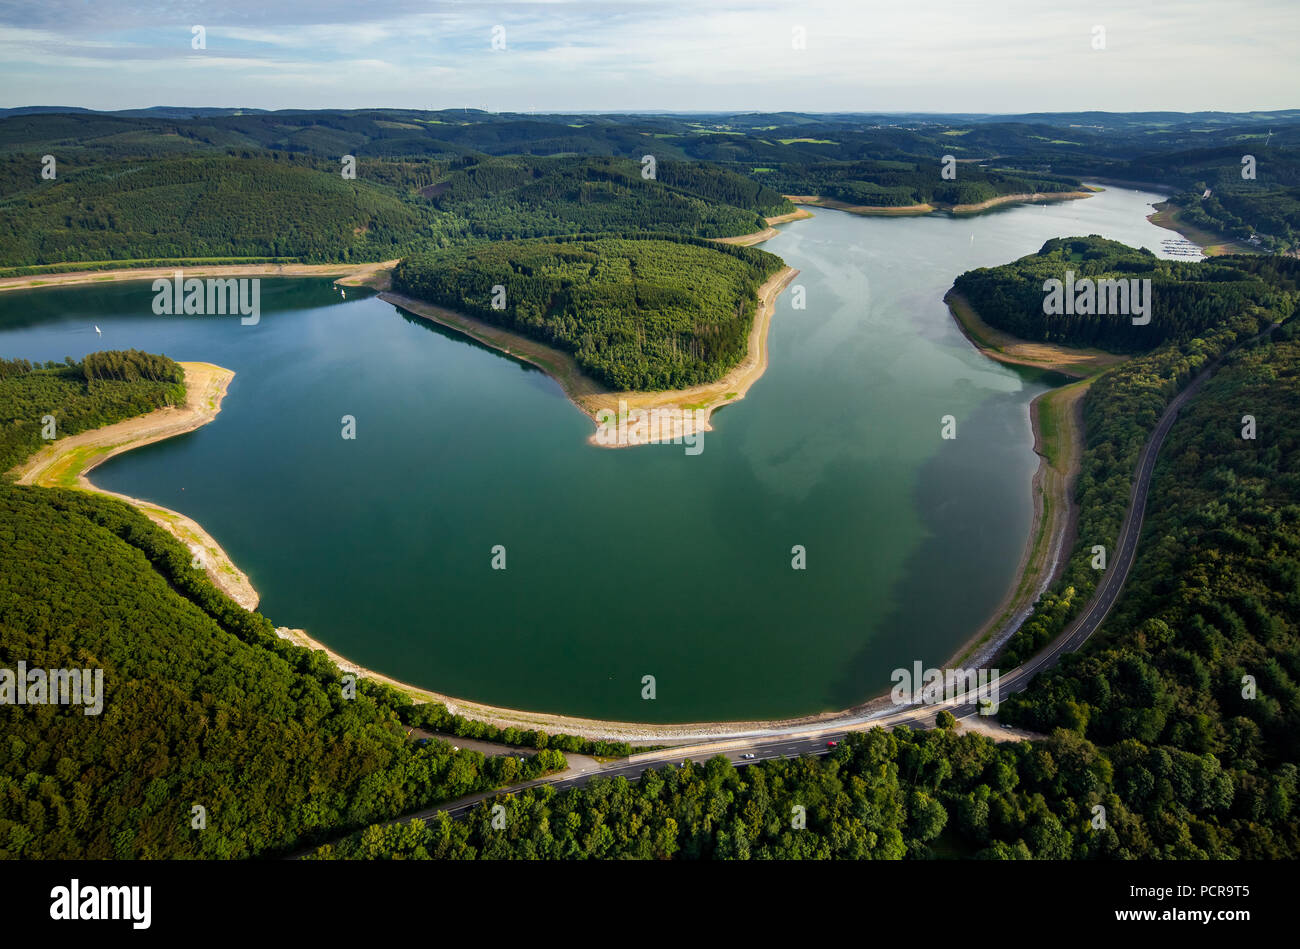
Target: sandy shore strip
<point>352,275</point>
<point>1006,348</point>
<point>66,462</point>
<point>1034,198</point>
<point>817,201</point>
<point>593,398</point>
<point>767,233</point>
<point>658,733</point>
<point>882,211</point>
<point>798,214</point>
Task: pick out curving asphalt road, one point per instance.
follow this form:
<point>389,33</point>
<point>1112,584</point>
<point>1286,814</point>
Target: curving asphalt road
<point>813,739</point>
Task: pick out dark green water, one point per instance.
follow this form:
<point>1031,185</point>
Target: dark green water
<point>620,563</point>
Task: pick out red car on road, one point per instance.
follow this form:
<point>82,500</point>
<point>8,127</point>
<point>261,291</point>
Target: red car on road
<point>831,744</point>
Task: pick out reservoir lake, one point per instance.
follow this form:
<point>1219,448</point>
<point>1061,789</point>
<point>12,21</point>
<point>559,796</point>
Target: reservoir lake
<point>620,563</point>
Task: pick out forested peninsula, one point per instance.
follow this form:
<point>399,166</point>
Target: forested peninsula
<point>649,314</point>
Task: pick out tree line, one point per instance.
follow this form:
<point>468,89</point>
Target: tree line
<point>899,183</point>
<point>204,707</point>
<point>900,794</point>
<point>435,717</point>
<point>103,388</point>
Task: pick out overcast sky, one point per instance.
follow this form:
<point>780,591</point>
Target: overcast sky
<point>858,55</point>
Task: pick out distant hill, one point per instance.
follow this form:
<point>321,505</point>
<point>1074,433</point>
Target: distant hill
<point>423,172</point>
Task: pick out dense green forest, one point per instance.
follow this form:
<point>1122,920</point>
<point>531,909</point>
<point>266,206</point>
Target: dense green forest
<point>103,388</point>
<point>1246,189</point>
<point>1121,408</point>
<point>1150,146</point>
<point>1200,311</point>
<point>171,183</point>
<point>902,183</point>
<point>1215,592</point>
<point>1187,298</point>
<point>204,705</point>
<point>203,207</point>
<point>1269,216</point>
<point>1214,597</point>
<point>536,197</point>
<point>295,206</point>
<point>879,795</point>
<point>636,314</point>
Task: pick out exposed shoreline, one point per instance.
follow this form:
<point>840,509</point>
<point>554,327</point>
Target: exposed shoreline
<point>867,210</point>
<point>67,462</point>
<point>1055,519</point>
<point>352,275</point>
<point>817,201</point>
<point>1019,199</point>
<point>767,233</point>
<point>1055,516</point>
<point>1005,348</point>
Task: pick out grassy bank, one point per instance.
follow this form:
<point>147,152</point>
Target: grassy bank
<point>66,463</point>
<point>1167,215</point>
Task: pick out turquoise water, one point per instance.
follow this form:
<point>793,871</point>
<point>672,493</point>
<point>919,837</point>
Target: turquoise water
<point>620,563</point>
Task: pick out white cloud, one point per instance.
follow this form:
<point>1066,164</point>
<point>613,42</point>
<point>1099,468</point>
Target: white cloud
<point>1018,55</point>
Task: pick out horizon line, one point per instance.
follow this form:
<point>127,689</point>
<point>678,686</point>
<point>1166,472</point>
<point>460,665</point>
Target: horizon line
<point>479,109</point>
